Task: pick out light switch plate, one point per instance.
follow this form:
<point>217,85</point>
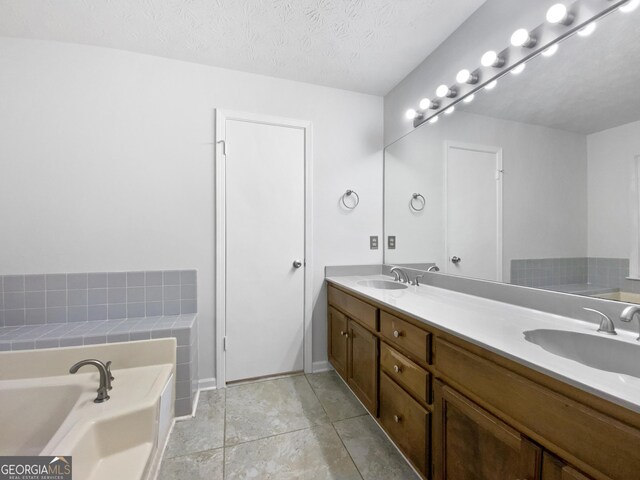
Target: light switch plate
<point>373,242</point>
<point>391,242</point>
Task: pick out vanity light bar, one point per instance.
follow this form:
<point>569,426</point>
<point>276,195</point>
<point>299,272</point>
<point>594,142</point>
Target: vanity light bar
<point>561,22</point>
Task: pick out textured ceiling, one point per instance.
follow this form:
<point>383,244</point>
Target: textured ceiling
<point>362,45</point>
<point>589,85</point>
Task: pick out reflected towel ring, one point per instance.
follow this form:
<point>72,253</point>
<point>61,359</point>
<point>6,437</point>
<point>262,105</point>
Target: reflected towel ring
<point>348,193</point>
<point>423,202</point>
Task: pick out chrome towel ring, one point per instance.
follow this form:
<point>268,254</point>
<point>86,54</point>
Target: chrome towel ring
<point>422,202</point>
<point>346,194</point>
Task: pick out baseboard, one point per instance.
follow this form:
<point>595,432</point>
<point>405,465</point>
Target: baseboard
<point>321,366</point>
<point>207,384</point>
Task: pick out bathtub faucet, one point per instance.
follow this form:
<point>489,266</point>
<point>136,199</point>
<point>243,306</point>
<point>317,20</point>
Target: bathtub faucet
<point>105,374</point>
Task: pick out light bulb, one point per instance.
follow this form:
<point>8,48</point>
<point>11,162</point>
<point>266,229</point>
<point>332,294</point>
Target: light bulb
<point>550,51</point>
<point>410,114</point>
<point>450,110</point>
<point>519,69</point>
<point>465,76</point>
<point>491,85</point>
<point>558,13</point>
<point>442,91</point>
<point>433,119</point>
<point>630,6</point>
<point>521,38</point>
<point>588,30</point>
<point>491,59</point>
<point>425,104</point>
<point>469,99</point>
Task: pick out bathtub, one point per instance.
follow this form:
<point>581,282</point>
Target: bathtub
<point>45,410</point>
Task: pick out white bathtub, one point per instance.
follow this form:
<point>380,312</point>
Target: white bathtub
<point>45,410</point>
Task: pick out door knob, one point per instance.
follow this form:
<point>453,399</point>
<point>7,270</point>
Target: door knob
<point>456,260</point>
<point>297,264</point>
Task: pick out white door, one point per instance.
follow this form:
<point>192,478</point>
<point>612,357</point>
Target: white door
<point>474,212</point>
<point>265,237</point>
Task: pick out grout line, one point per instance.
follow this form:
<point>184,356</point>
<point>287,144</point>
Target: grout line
<point>347,450</point>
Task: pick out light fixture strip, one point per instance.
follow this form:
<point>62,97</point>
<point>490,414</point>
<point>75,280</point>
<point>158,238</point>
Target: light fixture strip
<point>546,35</point>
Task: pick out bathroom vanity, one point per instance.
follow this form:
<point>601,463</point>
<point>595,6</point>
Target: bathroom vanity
<point>464,391</point>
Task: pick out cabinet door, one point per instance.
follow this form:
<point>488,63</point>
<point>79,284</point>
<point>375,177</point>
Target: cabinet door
<point>338,340</point>
<point>363,365</point>
<point>472,444</point>
<point>555,469</point>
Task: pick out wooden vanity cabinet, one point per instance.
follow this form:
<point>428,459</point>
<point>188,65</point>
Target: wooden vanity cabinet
<point>555,469</point>
<point>353,352</point>
<point>362,374</point>
<point>470,443</point>
<point>460,412</point>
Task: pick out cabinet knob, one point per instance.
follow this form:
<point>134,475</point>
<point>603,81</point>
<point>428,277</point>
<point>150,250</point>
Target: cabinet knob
<point>397,334</point>
<point>397,369</point>
<point>397,418</point>
<point>343,333</point>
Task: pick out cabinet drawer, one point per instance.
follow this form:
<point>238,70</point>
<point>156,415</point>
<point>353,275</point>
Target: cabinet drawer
<point>407,373</point>
<point>546,414</point>
<point>406,336</point>
<point>406,422</point>
<point>356,309</point>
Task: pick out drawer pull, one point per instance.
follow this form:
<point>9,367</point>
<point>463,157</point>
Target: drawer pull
<point>397,369</point>
<point>397,334</point>
<point>397,418</point>
<point>343,333</point>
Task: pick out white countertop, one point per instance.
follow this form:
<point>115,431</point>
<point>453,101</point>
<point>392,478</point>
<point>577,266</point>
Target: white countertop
<point>499,327</point>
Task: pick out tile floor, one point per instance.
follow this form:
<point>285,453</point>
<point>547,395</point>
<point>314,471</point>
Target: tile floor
<point>302,427</point>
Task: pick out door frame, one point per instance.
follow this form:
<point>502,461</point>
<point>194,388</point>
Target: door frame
<point>497,151</point>
<point>221,116</point>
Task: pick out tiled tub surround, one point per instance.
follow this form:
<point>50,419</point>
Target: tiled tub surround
<point>70,309</point>
<point>184,328</point>
<point>585,275</point>
<point>81,297</point>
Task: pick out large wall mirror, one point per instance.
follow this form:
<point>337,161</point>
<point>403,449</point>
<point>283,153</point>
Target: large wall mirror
<point>536,181</point>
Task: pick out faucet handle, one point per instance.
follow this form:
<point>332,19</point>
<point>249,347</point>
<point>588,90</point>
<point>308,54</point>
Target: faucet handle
<point>416,281</point>
<point>606,325</point>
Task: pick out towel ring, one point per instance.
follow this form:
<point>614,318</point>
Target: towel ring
<point>346,194</point>
<point>423,202</point>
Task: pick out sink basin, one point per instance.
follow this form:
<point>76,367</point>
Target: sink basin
<point>599,352</point>
<point>382,284</point>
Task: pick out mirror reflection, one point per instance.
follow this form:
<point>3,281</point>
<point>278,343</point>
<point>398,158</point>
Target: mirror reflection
<point>534,182</point>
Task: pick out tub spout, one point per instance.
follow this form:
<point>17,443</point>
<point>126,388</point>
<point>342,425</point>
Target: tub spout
<point>103,389</point>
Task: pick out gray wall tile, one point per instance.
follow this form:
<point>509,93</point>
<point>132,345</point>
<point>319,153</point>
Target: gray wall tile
<point>56,298</point>
<point>187,277</point>
<point>56,281</point>
<point>97,280</point>
<point>35,299</point>
<point>97,296</point>
<point>153,278</point>
<point>135,279</point>
<point>34,283</point>
<point>135,294</point>
<point>77,297</point>
<point>116,279</point>
<point>13,283</point>
<point>13,300</point>
<point>77,281</point>
<point>171,277</point>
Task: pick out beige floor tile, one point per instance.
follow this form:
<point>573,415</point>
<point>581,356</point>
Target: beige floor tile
<point>267,408</point>
<point>335,397</point>
<point>197,466</point>
<point>315,453</point>
<point>203,432</point>
<point>372,452</point>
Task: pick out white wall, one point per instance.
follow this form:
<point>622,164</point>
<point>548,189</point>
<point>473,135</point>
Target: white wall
<point>107,164</point>
<point>611,155</point>
<point>489,28</point>
<point>544,188</point>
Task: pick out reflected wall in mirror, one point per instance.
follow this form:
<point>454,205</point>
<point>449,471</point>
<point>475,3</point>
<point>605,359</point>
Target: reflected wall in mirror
<point>535,182</point>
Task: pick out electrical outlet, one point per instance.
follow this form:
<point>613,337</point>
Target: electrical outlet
<point>373,242</point>
<point>391,242</point>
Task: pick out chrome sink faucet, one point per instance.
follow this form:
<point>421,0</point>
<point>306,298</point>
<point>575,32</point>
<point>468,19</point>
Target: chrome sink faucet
<point>105,377</point>
<point>628,314</point>
<point>606,325</point>
<point>400,275</point>
<point>433,268</point>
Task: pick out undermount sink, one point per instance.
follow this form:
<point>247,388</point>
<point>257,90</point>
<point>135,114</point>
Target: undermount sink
<point>593,351</point>
<point>382,284</point>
